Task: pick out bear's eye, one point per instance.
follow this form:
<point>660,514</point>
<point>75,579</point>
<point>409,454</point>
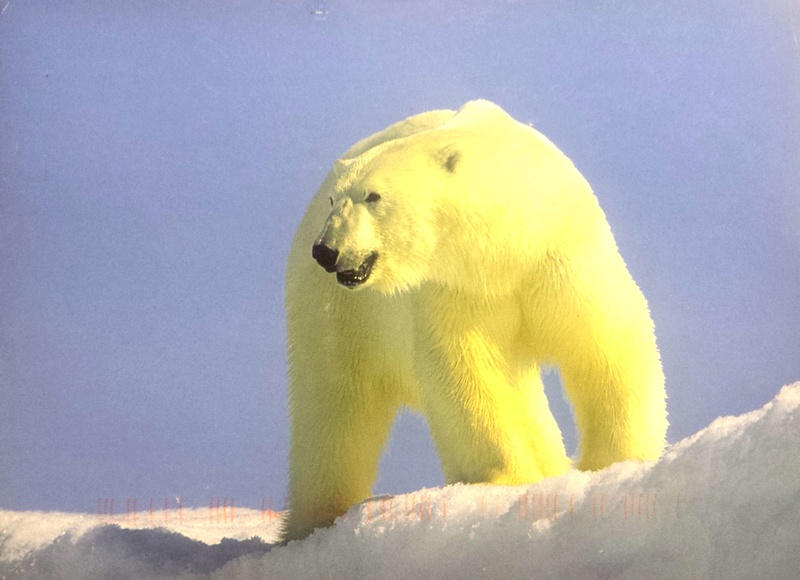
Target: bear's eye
<point>372,197</point>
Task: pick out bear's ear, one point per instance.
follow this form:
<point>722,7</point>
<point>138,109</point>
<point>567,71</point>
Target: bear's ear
<point>341,166</point>
<point>344,163</point>
<point>449,157</point>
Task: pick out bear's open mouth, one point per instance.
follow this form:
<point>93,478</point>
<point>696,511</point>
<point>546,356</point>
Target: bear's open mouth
<point>353,278</point>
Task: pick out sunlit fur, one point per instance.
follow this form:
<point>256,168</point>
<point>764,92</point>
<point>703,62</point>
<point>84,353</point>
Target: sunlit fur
<point>494,258</point>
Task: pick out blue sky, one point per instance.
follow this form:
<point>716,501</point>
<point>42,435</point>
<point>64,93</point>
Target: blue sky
<point>155,158</point>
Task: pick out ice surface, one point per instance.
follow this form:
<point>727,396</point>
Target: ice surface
<point>723,503</point>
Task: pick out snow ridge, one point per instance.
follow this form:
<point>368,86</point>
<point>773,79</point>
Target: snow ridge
<point>723,503</point>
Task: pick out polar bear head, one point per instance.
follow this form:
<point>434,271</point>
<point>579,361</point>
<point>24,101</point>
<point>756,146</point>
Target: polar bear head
<point>382,227</point>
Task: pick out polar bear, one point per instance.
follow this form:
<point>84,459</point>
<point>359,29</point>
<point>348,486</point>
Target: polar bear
<point>441,263</point>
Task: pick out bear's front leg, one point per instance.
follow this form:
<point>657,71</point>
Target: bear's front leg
<point>339,425</point>
<point>482,394</point>
<point>346,373</point>
<point>349,371</point>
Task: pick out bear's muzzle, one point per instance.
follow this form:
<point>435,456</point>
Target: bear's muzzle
<point>327,257</point>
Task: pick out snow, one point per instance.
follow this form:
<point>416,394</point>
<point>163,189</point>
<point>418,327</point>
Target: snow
<point>723,503</point>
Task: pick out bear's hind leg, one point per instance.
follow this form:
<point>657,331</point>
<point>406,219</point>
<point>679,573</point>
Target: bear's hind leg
<point>597,327</point>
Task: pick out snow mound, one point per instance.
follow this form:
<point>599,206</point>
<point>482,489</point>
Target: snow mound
<point>724,503</point>
<point>76,546</point>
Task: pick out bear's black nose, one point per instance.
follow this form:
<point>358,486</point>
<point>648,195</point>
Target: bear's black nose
<point>325,256</point>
